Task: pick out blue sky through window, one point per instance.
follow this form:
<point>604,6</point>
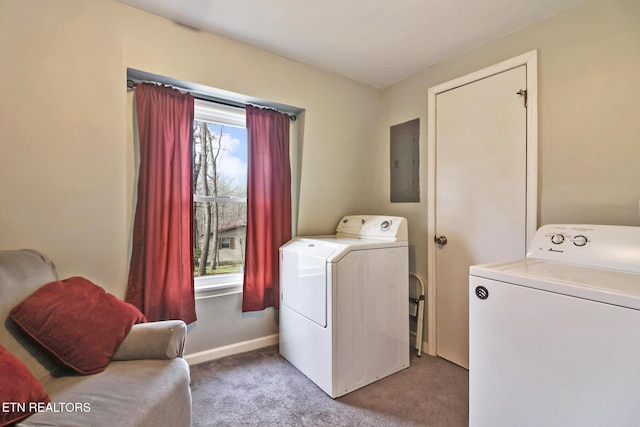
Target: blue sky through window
<point>232,163</point>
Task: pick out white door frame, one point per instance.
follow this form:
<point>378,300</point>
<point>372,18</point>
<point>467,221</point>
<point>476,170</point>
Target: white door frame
<point>530,59</point>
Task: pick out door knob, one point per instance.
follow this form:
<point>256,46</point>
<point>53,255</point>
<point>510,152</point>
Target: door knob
<point>440,240</point>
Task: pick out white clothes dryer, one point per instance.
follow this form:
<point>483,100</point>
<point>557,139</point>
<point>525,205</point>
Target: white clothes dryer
<point>554,338</point>
<point>344,312</point>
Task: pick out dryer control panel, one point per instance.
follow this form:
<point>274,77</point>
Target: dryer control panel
<point>605,246</point>
<point>373,227</point>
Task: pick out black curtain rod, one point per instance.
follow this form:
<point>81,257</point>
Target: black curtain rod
<point>131,85</point>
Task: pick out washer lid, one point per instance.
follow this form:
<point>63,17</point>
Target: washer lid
<point>610,286</point>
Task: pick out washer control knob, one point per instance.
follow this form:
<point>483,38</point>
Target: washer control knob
<point>580,240</point>
<point>558,238</point>
<point>385,225</point>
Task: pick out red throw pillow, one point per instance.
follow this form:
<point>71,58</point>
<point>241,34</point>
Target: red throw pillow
<point>20,391</point>
<point>77,321</point>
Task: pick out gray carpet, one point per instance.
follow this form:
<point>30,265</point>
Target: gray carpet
<point>260,388</point>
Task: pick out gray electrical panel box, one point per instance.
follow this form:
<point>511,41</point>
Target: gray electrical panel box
<point>405,162</point>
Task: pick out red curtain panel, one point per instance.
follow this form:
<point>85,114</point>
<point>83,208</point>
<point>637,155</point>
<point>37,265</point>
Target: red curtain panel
<point>161,269</point>
<point>268,206</point>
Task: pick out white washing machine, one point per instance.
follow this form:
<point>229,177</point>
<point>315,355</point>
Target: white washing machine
<point>555,338</point>
<point>344,312</point>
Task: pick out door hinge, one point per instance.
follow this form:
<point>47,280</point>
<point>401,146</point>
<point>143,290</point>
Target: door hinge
<point>523,92</point>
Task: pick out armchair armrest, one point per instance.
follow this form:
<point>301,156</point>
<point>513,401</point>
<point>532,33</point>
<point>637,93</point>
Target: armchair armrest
<point>153,340</point>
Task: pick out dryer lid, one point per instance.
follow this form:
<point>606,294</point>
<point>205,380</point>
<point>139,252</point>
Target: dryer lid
<point>314,247</point>
<point>334,248</point>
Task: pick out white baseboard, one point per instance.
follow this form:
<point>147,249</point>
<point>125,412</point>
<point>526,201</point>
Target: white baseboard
<point>228,350</point>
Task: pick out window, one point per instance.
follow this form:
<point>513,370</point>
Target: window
<point>225,243</point>
<point>220,195</point>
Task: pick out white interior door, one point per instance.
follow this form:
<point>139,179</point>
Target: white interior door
<point>480,193</point>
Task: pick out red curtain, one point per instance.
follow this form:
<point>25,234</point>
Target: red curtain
<point>268,206</point>
<point>161,270</point>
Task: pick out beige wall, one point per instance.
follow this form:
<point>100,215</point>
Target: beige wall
<point>63,149</point>
<point>589,116</point>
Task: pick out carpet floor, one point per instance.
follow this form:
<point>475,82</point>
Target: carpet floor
<point>261,388</point>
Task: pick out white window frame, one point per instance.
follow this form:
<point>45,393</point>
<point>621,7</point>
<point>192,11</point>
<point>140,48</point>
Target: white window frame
<point>219,284</point>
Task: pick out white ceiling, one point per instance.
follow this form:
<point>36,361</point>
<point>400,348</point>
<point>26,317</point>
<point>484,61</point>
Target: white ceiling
<point>377,42</point>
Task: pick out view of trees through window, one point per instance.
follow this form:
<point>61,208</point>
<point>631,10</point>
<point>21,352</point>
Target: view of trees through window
<point>220,197</point>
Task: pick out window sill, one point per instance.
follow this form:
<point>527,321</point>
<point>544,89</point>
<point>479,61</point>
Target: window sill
<point>217,286</point>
